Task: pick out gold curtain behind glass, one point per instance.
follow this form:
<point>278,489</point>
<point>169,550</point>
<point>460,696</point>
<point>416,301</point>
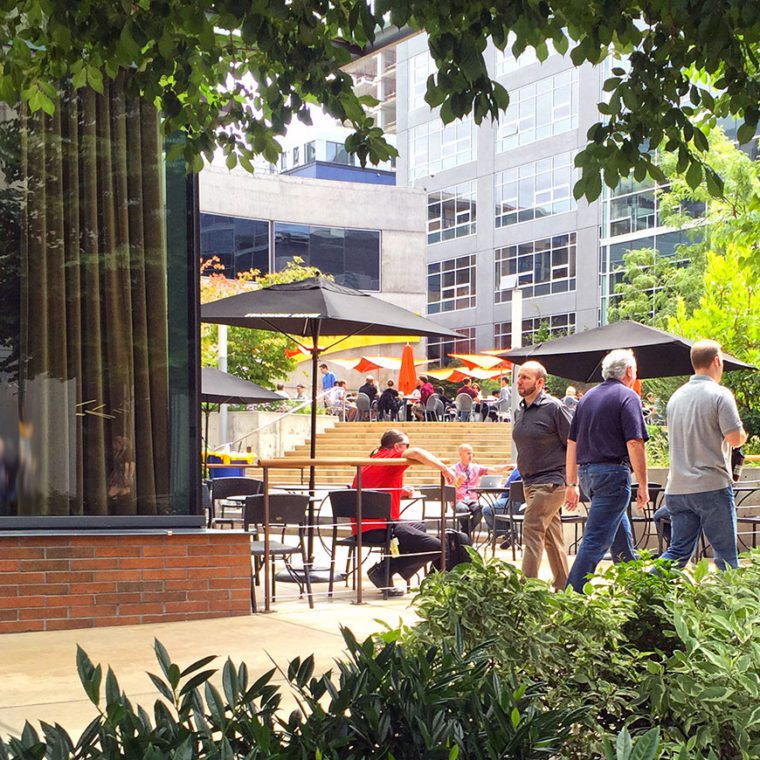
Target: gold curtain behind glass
<point>94,377</point>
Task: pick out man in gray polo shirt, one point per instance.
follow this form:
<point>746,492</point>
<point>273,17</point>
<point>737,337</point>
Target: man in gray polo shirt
<point>703,427</point>
<point>540,434</point>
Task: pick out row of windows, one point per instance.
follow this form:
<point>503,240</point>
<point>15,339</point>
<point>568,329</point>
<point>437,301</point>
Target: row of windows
<point>452,212</point>
<point>421,66</point>
<point>434,147</point>
<point>538,110</point>
<point>438,350</point>
<point>633,207</point>
<point>351,256</point>
<point>531,191</point>
<point>543,266</point>
<point>537,189</point>
<point>451,285</point>
<point>553,326</point>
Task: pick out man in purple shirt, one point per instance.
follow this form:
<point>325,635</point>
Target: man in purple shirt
<point>606,441</point>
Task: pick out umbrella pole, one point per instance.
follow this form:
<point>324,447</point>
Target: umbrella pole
<point>313,437</point>
<point>207,412</point>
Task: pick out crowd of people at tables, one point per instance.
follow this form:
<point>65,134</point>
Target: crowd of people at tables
<point>389,403</point>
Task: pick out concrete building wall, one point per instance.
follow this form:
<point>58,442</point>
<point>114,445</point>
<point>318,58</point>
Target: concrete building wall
<point>399,214</point>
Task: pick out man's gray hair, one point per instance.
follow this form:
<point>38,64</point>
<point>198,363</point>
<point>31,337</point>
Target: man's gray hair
<point>615,364</point>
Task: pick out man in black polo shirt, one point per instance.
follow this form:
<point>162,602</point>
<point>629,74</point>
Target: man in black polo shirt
<point>606,441</point>
<point>540,433</point>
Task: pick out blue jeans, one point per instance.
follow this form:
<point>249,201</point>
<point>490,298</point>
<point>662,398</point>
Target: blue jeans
<point>710,511</point>
<point>607,526</point>
<point>499,507</point>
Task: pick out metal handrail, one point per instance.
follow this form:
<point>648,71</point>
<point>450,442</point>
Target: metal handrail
<point>295,409</point>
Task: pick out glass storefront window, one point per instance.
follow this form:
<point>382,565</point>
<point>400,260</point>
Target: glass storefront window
<point>98,356</point>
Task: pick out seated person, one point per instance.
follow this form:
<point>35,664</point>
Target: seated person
<point>447,402</point>
<point>467,387</point>
<point>569,399</point>
<point>413,539</point>
<point>466,504</point>
<point>388,403</point>
<point>488,409</point>
<point>501,507</point>
<point>426,391</point>
<point>338,403</point>
<point>369,388</point>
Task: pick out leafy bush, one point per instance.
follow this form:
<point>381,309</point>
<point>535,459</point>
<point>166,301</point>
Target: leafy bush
<point>387,702</point>
<point>639,650</point>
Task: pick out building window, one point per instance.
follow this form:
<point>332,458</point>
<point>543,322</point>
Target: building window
<point>310,151</point>
<point>541,109</point>
<point>336,153</point>
<point>542,266</point>
<point>420,68</point>
<point>506,61</point>
<point>634,207</point>
<point>239,244</point>
<point>98,334</point>
<point>611,259</point>
<point>434,147</point>
<point>438,350</point>
<point>554,326</point>
<point>452,212</point>
<point>351,256</point>
<point>451,285</point>
<point>541,188</point>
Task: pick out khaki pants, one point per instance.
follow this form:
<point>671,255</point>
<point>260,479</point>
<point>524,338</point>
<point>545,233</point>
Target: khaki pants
<point>543,527</point>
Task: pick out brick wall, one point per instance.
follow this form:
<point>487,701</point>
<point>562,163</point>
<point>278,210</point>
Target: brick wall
<point>52,582</point>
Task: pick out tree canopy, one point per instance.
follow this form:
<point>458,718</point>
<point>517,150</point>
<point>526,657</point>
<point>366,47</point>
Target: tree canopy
<point>232,75</point>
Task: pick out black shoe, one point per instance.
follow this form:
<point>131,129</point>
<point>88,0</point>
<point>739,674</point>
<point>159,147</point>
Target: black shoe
<point>506,544</point>
<point>376,576</point>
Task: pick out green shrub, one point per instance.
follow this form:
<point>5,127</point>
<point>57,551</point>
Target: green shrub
<point>387,701</point>
<point>638,650</point>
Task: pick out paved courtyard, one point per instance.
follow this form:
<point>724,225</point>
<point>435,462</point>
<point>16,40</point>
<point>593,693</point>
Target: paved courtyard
<point>39,675</point>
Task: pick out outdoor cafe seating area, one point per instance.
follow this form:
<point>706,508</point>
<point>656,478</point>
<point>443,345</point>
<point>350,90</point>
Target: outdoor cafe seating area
<point>288,527</point>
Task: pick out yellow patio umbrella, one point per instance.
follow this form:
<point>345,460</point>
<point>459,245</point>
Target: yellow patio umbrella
<point>481,361</point>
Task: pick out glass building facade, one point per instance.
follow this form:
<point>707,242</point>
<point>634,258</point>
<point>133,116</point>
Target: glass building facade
<point>98,350</point>
<point>351,256</point>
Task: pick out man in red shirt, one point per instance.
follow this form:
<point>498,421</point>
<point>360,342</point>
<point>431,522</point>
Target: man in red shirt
<point>412,537</point>
<point>466,387</point>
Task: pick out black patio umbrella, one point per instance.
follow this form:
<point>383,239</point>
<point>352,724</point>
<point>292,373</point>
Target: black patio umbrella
<point>579,356</point>
<point>218,387</point>
<point>313,307</point>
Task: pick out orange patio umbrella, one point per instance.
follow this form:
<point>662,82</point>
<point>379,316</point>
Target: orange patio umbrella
<point>374,363</point>
<point>407,376</point>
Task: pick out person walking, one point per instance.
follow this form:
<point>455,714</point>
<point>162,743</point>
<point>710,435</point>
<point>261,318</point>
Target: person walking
<point>540,431</point>
<point>703,427</point>
<point>606,441</point>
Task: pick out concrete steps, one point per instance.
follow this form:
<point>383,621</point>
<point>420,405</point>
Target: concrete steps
<point>491,441</point>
